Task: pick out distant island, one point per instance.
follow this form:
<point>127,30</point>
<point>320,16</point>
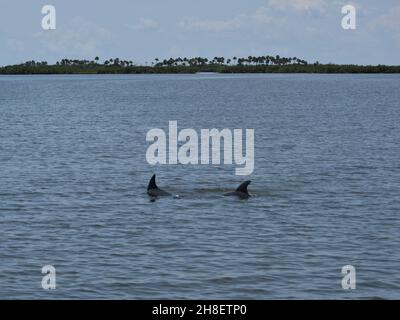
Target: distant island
<point>250,64</point>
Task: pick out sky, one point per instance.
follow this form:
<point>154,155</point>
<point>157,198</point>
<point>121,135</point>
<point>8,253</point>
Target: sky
<point>144,30</point>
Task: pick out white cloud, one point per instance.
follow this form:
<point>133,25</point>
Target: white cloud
<point>15,45</point>
<point>191,23</point>
<point>298,5</point>
<point>390,23</point>
<point>262,15</point>
<point>145,24</point>
<point>242,21</point>
<point>389,20</point>
<point>79,37</point>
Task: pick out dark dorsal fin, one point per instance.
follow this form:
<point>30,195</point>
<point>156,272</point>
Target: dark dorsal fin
<point>243,187</point>
<point>152,184</point>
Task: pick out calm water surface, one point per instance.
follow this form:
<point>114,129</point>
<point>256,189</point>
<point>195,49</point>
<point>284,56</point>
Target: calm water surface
<point>326,185</point>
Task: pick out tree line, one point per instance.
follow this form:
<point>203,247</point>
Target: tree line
<point>250,64</point>
<point>250,60</point>
<point>183,62</point>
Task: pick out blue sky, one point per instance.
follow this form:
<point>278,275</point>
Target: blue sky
<point>143,30</point>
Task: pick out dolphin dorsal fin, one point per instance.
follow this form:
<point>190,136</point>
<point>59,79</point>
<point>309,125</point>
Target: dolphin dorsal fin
<point>152,184</point>
<point>243,187</point>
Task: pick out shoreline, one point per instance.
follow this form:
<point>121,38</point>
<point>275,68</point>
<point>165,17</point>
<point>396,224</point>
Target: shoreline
<point>209,69</point>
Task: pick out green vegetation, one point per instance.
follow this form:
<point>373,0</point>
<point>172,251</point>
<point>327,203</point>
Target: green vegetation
<point>261,64</point>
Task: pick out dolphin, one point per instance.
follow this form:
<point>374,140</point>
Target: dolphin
<point>241,191</point>
<point>153,190</point>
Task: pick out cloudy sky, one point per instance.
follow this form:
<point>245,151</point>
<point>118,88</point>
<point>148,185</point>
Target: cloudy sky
<point>143,30</point>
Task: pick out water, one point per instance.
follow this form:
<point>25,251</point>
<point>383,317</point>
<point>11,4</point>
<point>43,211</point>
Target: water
<point>73,179</point>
